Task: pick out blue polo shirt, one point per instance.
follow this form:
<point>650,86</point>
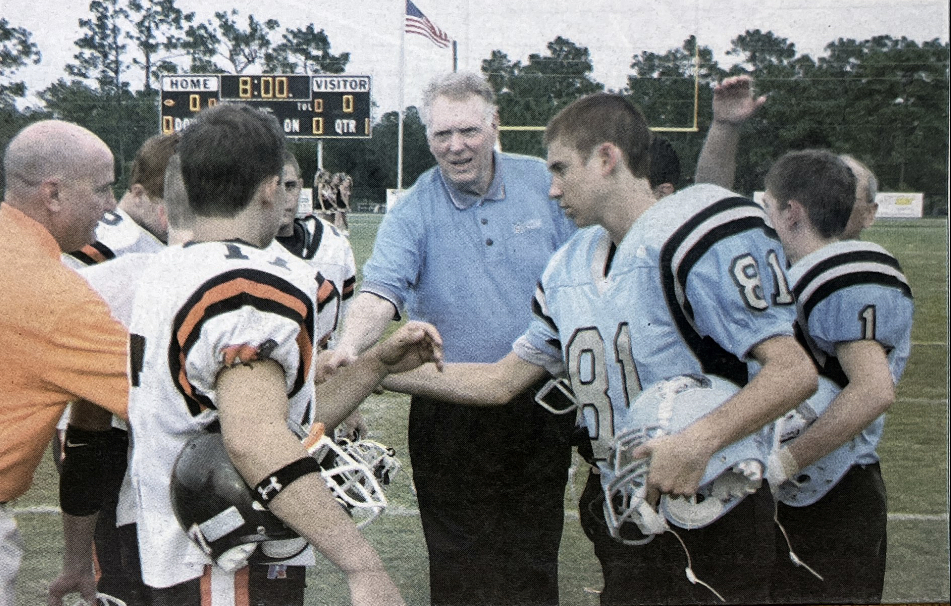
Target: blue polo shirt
<point>470,265</point>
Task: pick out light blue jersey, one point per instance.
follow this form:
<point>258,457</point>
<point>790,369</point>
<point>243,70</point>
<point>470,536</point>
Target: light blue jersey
<point>845,292</point>
<point>694,286</point>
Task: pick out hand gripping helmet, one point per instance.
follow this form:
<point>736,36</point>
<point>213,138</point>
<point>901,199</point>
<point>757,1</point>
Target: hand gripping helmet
<point>666,408</point>
<point>813,482</point>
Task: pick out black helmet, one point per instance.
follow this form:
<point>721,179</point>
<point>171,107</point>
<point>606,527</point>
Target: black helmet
<point>217,509</point>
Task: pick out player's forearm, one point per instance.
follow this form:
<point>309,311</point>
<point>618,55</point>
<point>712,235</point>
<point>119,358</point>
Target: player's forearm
<point>717,161</point>
<point>365,322</point>
<point>469,384</point>
<point>787,377</point>
<point>341,393</point>
<point>853,410</point>
<point>78,532</point>
<point>325,525</point>
<point>472,384</point>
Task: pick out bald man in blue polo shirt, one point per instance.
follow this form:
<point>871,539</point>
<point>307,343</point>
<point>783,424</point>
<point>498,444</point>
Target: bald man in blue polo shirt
<point>464,250</point>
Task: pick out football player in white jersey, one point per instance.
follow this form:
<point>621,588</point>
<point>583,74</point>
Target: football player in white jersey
<point>650,289</point>
<point>223,331</point>
<point>139,223</point>
<point>855,315</point>
<point>320,244</point>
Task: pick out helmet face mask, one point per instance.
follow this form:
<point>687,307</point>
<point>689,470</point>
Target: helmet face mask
<point>352,482</point>
<point>666,408</point>
<point>380,459</point>
<point>631,519</point>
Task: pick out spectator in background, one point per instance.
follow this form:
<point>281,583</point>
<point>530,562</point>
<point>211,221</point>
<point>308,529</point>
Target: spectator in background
<point>325,196</point>
<point>344,191</point>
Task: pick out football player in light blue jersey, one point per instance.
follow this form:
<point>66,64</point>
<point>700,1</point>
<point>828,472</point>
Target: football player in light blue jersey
<point>855,314</point>
<point>649,289</point>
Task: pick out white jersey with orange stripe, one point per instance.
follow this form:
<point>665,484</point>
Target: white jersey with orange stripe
<point>327,250</point>
<point>198,309</point>
<point>117,234</point>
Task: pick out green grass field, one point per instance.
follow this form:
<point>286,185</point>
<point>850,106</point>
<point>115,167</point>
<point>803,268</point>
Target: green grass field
<point>914,459</point>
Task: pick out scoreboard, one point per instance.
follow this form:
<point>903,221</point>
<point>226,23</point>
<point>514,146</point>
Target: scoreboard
<point>320,106</point>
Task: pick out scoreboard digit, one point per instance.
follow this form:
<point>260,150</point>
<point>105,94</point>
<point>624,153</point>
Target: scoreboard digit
<point>324,106</point>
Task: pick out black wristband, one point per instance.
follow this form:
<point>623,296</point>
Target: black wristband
<point>275,482</point>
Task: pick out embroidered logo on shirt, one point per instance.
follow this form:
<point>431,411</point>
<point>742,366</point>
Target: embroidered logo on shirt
<point>521,228</point>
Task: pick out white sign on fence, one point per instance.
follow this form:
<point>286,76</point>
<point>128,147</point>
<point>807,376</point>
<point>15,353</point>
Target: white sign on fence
<point>903,205</point>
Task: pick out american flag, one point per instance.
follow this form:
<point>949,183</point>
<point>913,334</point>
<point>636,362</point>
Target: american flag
<point>417,23</point>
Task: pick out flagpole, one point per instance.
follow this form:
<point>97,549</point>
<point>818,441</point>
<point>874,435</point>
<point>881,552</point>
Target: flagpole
<point>399,145</point>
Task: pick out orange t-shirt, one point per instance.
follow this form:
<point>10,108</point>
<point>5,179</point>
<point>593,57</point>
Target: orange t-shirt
<point>58,342</point>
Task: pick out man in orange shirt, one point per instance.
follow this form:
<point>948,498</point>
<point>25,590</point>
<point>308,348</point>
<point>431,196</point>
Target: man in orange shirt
<point>60,342</point>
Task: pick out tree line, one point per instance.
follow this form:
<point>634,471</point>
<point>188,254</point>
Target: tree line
<point>884,100</point>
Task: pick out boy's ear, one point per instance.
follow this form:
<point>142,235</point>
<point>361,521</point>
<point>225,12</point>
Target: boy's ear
<point>610,156</point>
<point>795,213</point>
<point>269,189</point>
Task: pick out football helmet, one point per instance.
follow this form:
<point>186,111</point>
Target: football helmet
<point>218,510</point>
<point>220,513</point>
<point>666,408</point>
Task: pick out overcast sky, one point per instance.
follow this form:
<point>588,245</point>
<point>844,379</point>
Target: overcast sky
<point>613,30</point>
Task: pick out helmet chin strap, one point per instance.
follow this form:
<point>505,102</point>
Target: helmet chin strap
<point>689,569</point>
<point>792,555</point>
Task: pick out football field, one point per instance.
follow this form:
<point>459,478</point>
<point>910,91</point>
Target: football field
<point>914,461</point>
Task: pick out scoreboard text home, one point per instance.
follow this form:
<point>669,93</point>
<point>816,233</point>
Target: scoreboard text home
<point>324,106</point>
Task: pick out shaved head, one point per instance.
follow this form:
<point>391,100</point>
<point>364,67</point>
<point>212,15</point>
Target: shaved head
<point>60,175</point>
<point>49,150</point>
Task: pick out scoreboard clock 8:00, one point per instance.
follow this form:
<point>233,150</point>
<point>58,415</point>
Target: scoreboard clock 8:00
<point>320,106</point>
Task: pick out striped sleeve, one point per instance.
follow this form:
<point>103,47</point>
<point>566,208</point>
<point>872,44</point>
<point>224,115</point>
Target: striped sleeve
<point>857,294</point>
<point>238,317</point>
<point>725,284</point>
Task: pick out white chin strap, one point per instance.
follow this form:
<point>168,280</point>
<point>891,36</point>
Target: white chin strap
<point>236,557</point>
